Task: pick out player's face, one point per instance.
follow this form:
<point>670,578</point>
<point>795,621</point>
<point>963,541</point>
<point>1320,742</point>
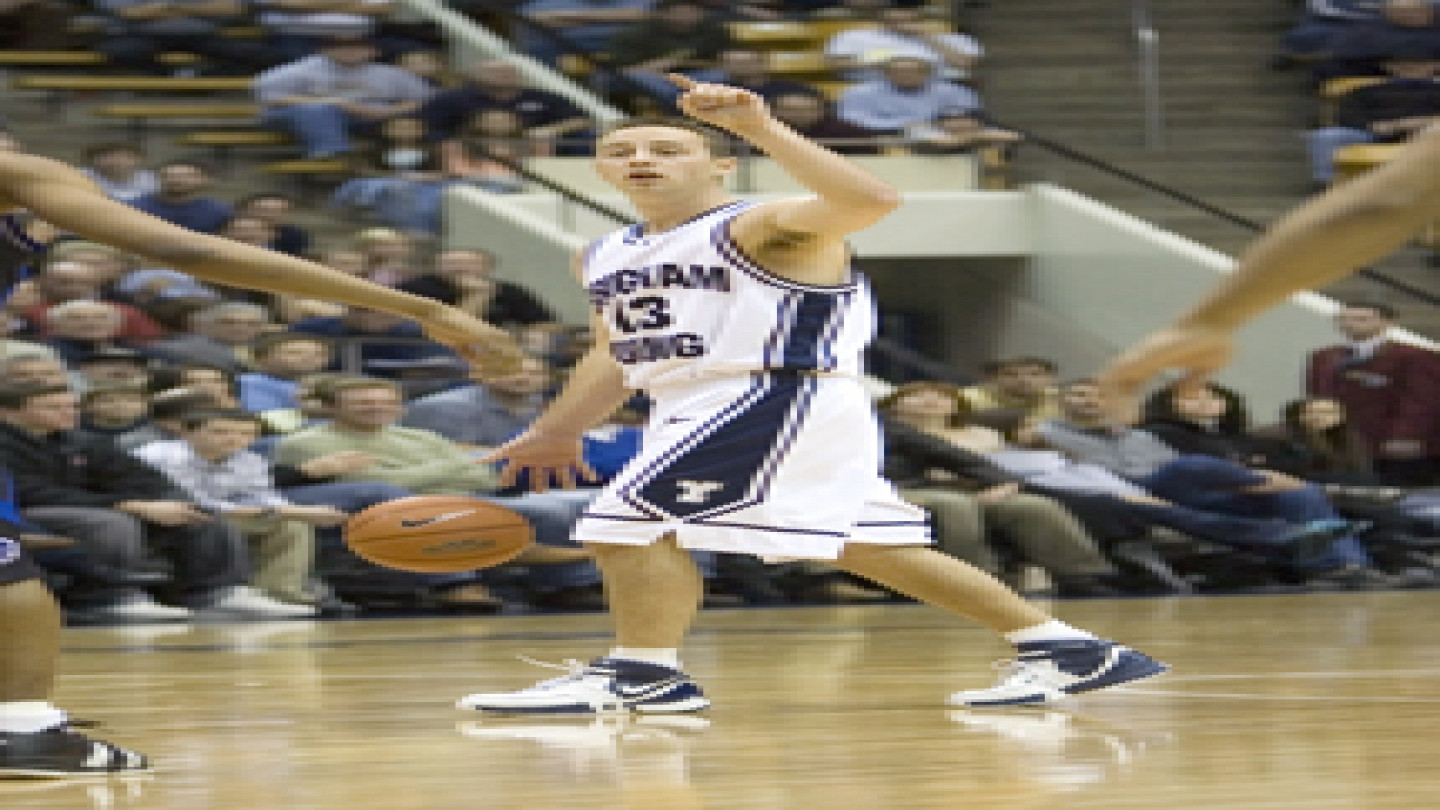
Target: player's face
<point>368,408</point>
<point>640,160</point>
<point>222,438</point>
<point>1200,405</point>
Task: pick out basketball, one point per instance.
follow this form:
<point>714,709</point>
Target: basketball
<point>438,534</point>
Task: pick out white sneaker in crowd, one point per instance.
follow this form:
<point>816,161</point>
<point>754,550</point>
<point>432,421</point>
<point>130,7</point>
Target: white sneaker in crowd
<point>243,600</point>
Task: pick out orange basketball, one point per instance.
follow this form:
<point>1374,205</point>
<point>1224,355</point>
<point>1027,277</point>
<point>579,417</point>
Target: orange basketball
<point>435,534</point>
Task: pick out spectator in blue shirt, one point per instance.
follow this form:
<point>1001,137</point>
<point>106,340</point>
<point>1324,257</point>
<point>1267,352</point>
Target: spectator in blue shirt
<point>391,347</point>
<point>908,94</point>
<point>180,200</point>
<point>280,361</point>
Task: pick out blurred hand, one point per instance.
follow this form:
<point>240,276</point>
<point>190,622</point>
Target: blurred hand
<point>1197,350</point>
<point>165,513</point>
<point>313,515</point>
<point>998,493</point>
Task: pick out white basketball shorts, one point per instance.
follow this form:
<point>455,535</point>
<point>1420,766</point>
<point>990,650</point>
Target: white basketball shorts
<point>779,465</point>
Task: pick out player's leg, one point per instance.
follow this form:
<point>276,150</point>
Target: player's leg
<point>1053,659</point>
<point>35,740</point>
<point>654,592</point>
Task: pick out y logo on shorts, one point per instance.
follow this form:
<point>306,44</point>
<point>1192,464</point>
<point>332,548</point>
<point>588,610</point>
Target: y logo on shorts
<point>697,491</point>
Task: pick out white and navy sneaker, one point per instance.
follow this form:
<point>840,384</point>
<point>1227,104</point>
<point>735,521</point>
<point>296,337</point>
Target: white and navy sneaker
<point>1049,671</point>
<point>603,685</point>
<point>62,753</point>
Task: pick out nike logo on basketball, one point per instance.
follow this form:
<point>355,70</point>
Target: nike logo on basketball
<point>697,491</point>
<point>406,523</point>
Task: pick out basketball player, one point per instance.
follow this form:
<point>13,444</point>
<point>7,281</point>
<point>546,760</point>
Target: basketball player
<point>35,737</point>
<point>745,325</point>
<point>1327,238</point>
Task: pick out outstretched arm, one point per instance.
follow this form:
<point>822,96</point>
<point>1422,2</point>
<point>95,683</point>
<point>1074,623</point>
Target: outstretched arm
<point>1327,238</point>
<point>64,197</point>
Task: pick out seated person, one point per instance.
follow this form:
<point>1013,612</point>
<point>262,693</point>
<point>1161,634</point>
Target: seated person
<point>497,84</point>
<point>111,367</point>
<point>78,329</point>
<point>485,416</point>
<point>810,115</point>
<point>389,346</point>
<point>1315,442</point>
<point>138,31</point>
<point>325,99</point>
<point>859,54</point>
<point>119,509</point>
<point>213,467</point>
<point>165,419</point>
<point>118,169</point>
<point>63,280</point>
<point>222,386</point>
<point>275,209</point>
<point>464,278</point>
<point>280,360</point>
<point>1405,26</point>
<point>180,198</point>
<point>680,36</point>
<point>1022,384</point>
<point>488,152</point>
<point>112,411</point>
<point>219,335</point>
<point>1391,111</point>
<point>907,93</point>
<point>402,178</point>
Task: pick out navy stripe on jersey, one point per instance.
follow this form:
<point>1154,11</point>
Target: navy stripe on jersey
<point>731,467</point>
<point>635,234</point>
<point>14,232</point>
<point>725,243</point>
<point>803,344</point>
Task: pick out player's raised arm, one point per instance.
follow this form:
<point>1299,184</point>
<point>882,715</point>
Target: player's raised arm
<point>847,198</point>
<point>1326,238</point>
<point>62,196</point>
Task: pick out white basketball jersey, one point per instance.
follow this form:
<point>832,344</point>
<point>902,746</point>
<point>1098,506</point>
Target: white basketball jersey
<point>686,304</point>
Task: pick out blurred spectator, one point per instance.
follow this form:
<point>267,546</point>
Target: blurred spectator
<point>120,509</point>
<point>680,36</point>
<point>60,282</point>
<point>213,467</point>
<point>219,335</point>
<point>342,91</point>
<point>498,84</point>
<point>464,278</point>
<point>1318,444</point>
<point>390,346</point>
<point>1388,112</point>
<point>118,169</point>
<point>1390,390</point>
<point>116,366</point>
<point>222,386</point>
<point>749,68</point>
<point>809,114</point>
<point>113,268</point>
<point>389,255</point>
<point>10,347</point>
<point>860,54</point>
<point>1022,384</point>
<point>138,31</point>
<point>113,410</point>
<point>487,150</point>
<point>35,24</point>
<point>485,416</point>
<point>429,67</point>
<point>280,360</point>
<point>1322,20</point>
<point>299,28</point>
<point>275,210</point>
<point>585,26</point>
<point>77,329</point>
<point>166,418</point>
<point>402,178</point>
<point>179,200</point>
<point>908,93</point>
<point>1405,26</point>
<point>42,368</point>
<point>957,132</point>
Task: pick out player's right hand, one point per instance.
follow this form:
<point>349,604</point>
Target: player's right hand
<point>544,457</point>
<point>1196,349</point>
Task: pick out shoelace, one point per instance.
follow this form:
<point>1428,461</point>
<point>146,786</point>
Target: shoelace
<point>572,668</point>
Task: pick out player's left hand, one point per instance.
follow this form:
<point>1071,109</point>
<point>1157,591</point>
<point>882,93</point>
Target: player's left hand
<point>720,105</point>
<point>489,350</point>
<point>1198,350</point>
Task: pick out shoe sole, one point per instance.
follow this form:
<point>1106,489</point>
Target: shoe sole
<point>680,707</point>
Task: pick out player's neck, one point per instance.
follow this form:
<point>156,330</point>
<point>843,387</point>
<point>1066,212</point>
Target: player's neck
<point>662,213</point>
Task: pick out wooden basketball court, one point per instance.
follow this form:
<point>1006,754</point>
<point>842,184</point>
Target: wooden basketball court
<point>1316,702</point>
